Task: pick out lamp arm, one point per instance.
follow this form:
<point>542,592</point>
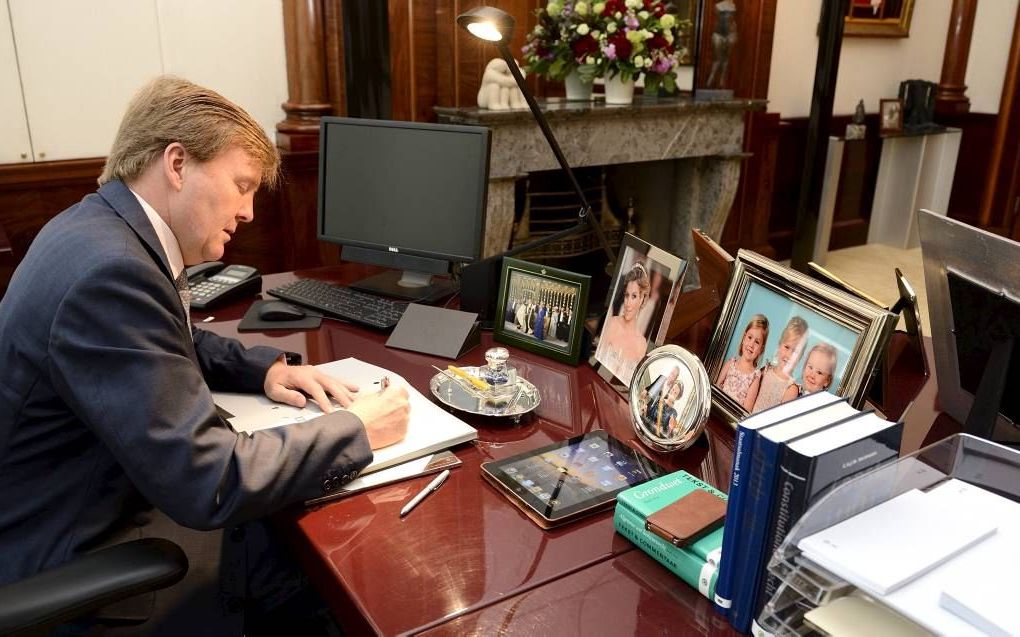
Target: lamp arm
<point>585,212</point>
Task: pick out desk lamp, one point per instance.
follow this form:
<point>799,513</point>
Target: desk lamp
<point>480,280</point>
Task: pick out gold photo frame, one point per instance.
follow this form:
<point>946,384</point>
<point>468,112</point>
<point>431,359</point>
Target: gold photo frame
<point>879,18</point>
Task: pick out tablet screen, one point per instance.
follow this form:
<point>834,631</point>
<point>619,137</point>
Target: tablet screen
<point>573,476</point>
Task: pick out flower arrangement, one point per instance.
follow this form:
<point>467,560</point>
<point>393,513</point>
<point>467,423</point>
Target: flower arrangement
<point>561,42</point>
<point>606,39</point>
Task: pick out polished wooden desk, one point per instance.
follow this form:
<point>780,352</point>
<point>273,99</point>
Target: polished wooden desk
<point>466,560</point>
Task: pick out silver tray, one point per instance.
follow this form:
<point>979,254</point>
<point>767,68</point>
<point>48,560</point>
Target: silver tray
<point>459,394</point>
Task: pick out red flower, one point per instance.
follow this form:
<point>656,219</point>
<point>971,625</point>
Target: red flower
<point>584,46</point>
<point>622,44</point>
<point>656,42</point>
<point>614,6</point>
<point>659,11</point>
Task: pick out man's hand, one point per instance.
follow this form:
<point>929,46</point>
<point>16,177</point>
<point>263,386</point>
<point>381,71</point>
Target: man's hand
<point>285,384</point>
<point>384,415</point>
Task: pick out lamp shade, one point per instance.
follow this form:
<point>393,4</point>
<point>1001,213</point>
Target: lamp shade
<point>488,23</point>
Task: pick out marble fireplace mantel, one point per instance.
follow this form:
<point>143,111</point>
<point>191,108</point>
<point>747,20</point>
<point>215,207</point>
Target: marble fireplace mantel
<point>710,134</point>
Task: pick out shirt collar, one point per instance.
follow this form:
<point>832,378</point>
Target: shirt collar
<point>171,248</point>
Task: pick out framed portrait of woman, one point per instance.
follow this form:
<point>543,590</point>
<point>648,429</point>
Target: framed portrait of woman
<point>782,334</point>
<point>642,296</point>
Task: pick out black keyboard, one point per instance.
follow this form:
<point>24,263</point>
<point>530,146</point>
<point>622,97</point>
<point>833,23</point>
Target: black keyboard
<point>343,303</point>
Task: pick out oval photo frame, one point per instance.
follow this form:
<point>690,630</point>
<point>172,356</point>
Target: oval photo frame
<point>674,422</point>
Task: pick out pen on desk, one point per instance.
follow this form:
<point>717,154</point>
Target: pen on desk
<point>433,486</point>
<point>383,383</point>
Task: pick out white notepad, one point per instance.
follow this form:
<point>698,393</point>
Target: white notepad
<point>430,428</point>
<point>895,542</point>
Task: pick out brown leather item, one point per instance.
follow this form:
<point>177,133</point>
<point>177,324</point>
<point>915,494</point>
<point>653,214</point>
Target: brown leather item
<point>689,518</point>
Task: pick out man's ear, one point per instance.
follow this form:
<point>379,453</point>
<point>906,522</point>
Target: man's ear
<point>174,158</point>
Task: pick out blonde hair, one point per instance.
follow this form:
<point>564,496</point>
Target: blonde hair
<point>827,350</point>
<point>171,109</point>
<point>762,322</point>
<point>796,327</point>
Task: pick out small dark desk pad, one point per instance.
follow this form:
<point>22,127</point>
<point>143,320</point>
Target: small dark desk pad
<point>252,323</point>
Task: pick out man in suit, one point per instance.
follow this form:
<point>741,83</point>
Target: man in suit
<point>108,430</point>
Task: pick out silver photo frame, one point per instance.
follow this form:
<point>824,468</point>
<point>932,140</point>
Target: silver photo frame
<point>799,323</point>
<point>670,399</point>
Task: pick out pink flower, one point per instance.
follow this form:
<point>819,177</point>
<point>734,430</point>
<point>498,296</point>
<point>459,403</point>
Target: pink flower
<point>632,22</point>
<point>610,51</point>
<point>662,65</point>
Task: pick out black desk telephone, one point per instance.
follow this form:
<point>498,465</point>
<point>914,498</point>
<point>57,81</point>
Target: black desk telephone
<point>213,283</point>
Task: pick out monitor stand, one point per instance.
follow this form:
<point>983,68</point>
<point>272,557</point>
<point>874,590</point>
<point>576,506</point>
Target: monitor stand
<point>418,287</point>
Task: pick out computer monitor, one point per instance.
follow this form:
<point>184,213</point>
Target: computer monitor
<point>405,195</point>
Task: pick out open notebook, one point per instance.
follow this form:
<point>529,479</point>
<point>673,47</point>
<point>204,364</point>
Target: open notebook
<point>430,428</point>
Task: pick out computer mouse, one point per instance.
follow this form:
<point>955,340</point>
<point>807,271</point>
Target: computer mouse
<point>280,311</point>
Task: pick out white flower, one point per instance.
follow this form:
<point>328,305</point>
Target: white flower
<point>643,15</point>
<point>595,34</point>
<point>667,20</point>
<point>581,8</point>
<point>633,4</point>
<point>589,60</point>
<point>599,7</point>
<point>582,29</point>
<point>645,34</point>
<point>553,9</point>
<point>648,62</point>
<point>611,27</point>
<point>617,15</point>
<point>639,60</point>
<point>668,36</point>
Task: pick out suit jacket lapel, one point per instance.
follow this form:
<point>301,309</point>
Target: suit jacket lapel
<point>125,204</point>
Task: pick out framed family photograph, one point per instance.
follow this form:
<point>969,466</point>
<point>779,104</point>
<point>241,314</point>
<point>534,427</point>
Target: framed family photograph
<point>782,334</point>
<point>642,296</point>
<point>541,309</point>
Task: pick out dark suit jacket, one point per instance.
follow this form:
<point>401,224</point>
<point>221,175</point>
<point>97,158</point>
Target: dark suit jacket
<point>105,401</point>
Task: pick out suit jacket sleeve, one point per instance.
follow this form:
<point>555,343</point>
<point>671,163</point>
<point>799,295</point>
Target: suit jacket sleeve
<point>229,366</point>
<point>119,357</point>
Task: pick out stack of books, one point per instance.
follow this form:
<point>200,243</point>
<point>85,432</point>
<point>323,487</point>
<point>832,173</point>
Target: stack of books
<point>786,457</point>
<point>693,557</point>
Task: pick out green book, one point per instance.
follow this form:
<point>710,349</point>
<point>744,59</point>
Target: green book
<point>647,498</point>
<point>693,570</point>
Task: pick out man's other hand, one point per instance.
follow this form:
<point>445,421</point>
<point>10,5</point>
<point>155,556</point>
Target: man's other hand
<point>285,384</point>
<point>384,415</point>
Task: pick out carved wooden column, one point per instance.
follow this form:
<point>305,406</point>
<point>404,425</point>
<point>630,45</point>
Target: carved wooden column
<point>304,27</point>
<point>951,98</point>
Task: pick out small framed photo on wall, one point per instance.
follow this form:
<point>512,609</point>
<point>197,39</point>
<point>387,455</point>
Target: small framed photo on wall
<point>541,309</point>
<point>890,114</point>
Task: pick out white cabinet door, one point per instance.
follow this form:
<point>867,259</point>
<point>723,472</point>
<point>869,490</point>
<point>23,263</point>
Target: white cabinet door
<point>15,145</point>
<point>80,64</point>
<point>234,47</point>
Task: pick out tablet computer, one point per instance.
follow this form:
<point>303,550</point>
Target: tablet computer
<point>570,479</point>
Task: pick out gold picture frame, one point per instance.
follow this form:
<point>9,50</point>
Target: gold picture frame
<point>848,331</point>
<point>879,18</point>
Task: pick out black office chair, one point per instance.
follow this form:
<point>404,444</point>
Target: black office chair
<point>88,583</point>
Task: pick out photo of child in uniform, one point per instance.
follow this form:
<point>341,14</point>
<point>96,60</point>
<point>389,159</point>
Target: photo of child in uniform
<point>818,368</point>
<point>740,376</point>
<point>540,307</point>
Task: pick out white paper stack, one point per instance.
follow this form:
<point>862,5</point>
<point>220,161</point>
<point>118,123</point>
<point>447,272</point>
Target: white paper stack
<point>430,429</point>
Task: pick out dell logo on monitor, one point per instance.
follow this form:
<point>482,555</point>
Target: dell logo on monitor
<point>392,249</point>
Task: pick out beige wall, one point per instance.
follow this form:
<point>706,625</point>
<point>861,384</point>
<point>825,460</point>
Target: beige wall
<point>872,68</point>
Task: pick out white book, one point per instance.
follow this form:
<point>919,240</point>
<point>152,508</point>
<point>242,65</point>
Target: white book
<point>896,542</point>
<point>430,428</point>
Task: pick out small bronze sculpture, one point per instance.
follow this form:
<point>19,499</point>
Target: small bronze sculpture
<point>723,40</point>
<point>857,129</point>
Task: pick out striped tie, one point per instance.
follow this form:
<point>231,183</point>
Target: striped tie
<point>185,292</point>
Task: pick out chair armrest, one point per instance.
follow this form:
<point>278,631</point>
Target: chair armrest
<point>90,582</point>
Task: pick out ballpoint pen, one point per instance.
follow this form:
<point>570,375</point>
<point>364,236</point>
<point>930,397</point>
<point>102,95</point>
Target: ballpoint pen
<point>432,486</point>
